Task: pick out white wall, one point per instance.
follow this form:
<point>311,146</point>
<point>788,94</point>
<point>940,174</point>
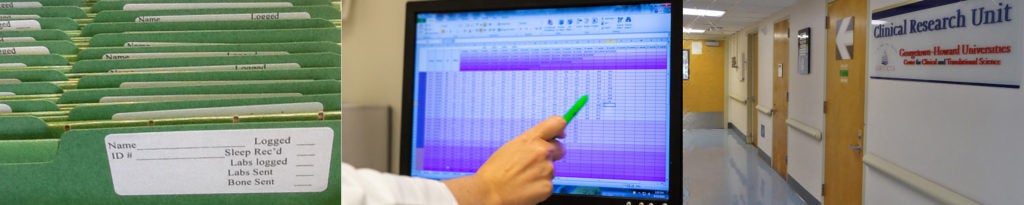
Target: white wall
<point>965,138</point>
<point>807,94</point>
<point>372,63</point>
<point>735,111</point>
<point>764,82</point>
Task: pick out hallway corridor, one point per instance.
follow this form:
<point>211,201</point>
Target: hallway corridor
<point>719,168</point>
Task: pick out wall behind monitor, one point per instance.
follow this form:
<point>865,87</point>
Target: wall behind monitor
<point>372,64</point>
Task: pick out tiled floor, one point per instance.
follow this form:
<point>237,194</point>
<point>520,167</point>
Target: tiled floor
<point>719,168</point>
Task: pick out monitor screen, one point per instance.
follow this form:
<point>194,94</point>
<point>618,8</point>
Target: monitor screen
<point>482,77</point>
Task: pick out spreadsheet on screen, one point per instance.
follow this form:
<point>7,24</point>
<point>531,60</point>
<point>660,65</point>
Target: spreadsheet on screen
<point>483,77</point>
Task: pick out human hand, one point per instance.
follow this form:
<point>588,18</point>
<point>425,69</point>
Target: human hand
<point>519,172</point>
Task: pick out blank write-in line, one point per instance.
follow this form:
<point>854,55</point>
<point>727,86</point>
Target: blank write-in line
<point>304,175</point>
<point>304,165</point>
<point>306,155</point>
<point>180,158</point>
<point>303,185</point>
<point>205,147</point>
<point>310,144</point>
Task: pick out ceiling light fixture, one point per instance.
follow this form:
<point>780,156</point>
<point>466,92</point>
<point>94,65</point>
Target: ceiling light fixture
<point>691,30</point>
<point>703,12</point>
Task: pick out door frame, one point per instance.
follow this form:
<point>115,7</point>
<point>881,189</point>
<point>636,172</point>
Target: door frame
<point>752,114</point>
<point>780,95</point>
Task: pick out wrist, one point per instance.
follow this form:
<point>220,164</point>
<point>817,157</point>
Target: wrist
<point>472,190</point>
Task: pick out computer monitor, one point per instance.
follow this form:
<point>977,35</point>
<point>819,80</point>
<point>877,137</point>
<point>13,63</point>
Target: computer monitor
<point>478,73</point>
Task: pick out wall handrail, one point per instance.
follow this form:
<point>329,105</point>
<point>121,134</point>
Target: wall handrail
<point>738,99</point>
<point>805,128</point>
<point>917,182</point>
<point>765,110</point>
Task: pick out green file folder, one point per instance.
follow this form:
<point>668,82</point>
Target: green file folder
<point>30,105</point>
<point>305,60</point>
<point>121,27</point>
<point>230,37</point>
<point>115,80</point>
<point>74,12</point>
<point>27,151</point>
<point>330,102</point>
<point>33,75</point>
<point>39,35</point>
<point>317,12</point>
<point>64,47</point>
<point>23,128</point>
<point>77,168</point>
<point>35,60</point>
<point>105,5</point>
<point>304,88</point>
<point>31,88</point>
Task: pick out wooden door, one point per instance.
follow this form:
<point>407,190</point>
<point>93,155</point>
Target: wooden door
<point>844,96</point>
<point>751,61</point>
<point>780,95</point>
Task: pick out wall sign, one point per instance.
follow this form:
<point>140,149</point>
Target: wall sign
<point>844,39</point>
<point>803,51</point>
<point>949,41</point>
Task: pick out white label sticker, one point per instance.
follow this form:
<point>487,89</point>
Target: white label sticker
<point>159,44</point>
<point>283,160</point>
<point>200,83</point>
<point>9,81</point>
<point>17,39</point>
<point>18,17</point>
<point>122,56</point>
<point>28,4</point>
<point>20,25</point>
<point>213,68</point>
<point>224,17</point>
<point>5,109</point>
<point>6,94</point>
<point>177,6</point>
<point>27,50</point>
<point>306,107</point>
<point>12,65</point>
<point>161,98</point>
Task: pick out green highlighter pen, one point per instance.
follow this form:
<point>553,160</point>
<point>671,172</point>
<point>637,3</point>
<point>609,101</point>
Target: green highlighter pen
<point>575,108</point>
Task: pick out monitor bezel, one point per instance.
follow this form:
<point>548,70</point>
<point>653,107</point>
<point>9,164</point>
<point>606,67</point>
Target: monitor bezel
<point>676,89</point>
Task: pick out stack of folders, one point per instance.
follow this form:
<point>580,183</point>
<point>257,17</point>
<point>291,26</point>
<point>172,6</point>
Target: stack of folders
<point>170,102</point>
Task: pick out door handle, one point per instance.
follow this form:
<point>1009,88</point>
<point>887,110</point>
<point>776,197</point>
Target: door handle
<point>856,148</point>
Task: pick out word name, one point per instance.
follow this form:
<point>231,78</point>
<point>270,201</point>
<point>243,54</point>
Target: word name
<point>115,145</point>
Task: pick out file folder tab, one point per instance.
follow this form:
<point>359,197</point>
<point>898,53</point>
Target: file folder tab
<point>27,4</point>
<point>27,50</point>
<point>23,128</point>
<point>17,39</point>
<point>224,17</point>
<point>20,25</point>
<point>303,107</point>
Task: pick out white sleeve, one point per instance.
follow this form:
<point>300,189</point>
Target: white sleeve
<point>365,187</point>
